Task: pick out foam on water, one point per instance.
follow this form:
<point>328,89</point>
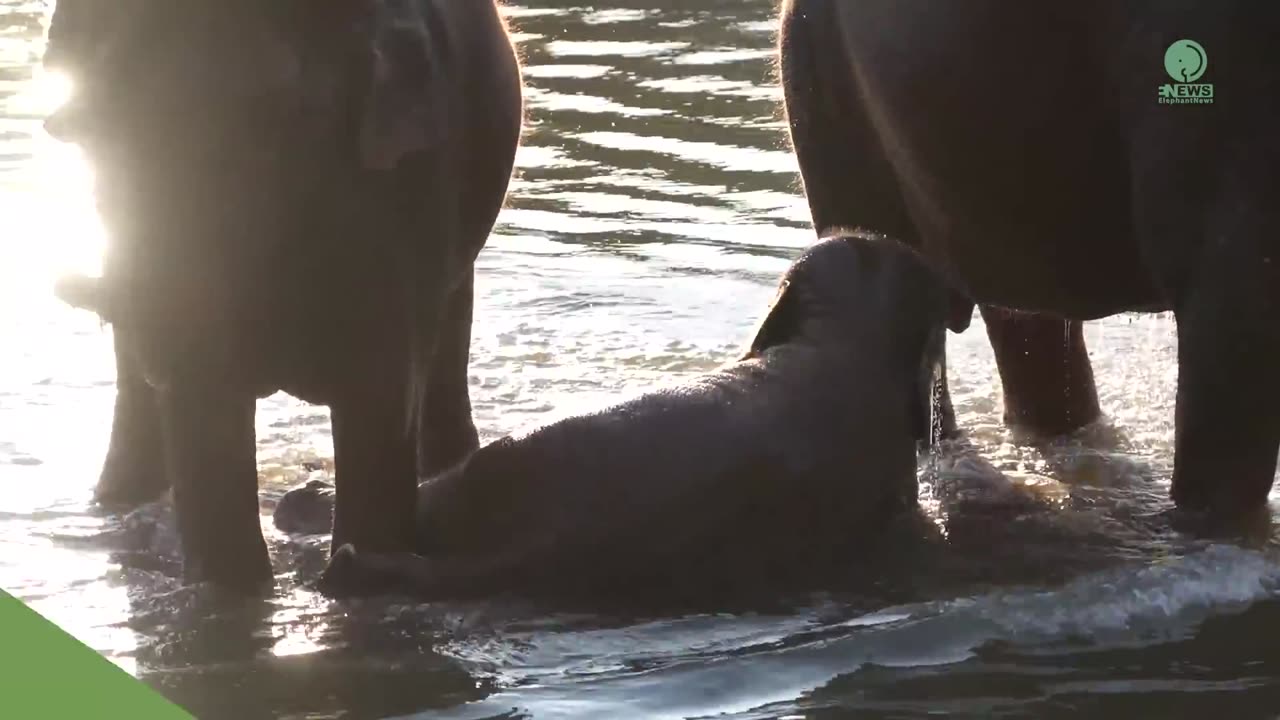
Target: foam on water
<point>742,664</point>
<point>1125,604</point>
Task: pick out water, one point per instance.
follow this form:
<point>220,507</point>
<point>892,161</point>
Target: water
<point>655,208</point>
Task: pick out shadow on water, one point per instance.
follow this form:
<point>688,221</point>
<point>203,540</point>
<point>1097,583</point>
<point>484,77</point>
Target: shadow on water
<point>293,654</point>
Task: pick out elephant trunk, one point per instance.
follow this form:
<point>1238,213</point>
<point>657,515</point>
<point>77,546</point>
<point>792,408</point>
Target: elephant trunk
<point>85,293</point>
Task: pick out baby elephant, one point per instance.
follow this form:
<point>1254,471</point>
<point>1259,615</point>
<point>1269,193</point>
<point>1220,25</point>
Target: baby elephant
<point>772,468</point>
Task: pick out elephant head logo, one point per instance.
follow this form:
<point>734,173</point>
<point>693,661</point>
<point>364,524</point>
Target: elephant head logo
<point>1185,61</point>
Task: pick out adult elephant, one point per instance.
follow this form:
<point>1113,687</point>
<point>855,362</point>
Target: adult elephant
<point>295,193</point>
<point>1024,147</point>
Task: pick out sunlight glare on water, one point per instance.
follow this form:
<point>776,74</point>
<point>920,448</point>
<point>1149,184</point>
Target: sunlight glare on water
<point>51,205</point>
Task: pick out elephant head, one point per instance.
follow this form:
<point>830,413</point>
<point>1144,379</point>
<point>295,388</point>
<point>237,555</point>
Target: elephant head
<point>874,295</point>
<point>225,132</point>
<point>150,64</point>
<point>853,287</point>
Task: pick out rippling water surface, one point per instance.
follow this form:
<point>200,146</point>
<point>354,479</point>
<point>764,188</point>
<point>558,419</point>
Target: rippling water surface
<point>656,205</point>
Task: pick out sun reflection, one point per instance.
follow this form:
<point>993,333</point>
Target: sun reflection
<point>46,92</point>
<point>294,641</point>
<point>52,227</point>
<point>296,625</point>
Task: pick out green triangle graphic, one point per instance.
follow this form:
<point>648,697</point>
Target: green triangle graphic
<point>46,673</point>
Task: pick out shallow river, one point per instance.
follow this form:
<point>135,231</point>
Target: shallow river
<point>655,207</point>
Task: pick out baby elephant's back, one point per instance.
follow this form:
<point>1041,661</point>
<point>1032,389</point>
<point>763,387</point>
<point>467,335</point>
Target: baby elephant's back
<point>746,461</point>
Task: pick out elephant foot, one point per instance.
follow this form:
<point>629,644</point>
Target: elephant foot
<point>306,509</point>
<point>1250,527</point>
<point>1044,370</point>
<point>1227,482</point>
<point>355,574</point>
<point>246,571</point>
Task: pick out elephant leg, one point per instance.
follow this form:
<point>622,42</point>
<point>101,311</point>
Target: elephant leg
<point>1228,399</point>
<point>446,432</point>
<point>849,182</point>
<point>848,179</point>
<point>133,472</point>
<point>375,457</point>
<point>1045,371</point>
<point>212,461</point>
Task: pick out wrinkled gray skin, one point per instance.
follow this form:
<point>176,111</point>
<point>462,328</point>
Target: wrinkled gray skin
<point>771,470</point>
<point>1021,147</point>
<point>295,194</point>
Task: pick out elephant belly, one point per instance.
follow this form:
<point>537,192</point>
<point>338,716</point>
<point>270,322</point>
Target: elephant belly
<point>1034,219</point>
<point>1010,146</point>
<point>332,330</point>
<point>1079,259</point>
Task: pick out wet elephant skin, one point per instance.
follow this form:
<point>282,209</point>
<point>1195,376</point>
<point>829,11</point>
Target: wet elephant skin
<point>772,469</point>
<point>295,196</point>
<point>1023,147</point>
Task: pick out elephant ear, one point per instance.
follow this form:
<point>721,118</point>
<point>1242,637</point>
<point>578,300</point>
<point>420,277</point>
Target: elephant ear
<point>780,323</point>
<point>405,109</point>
